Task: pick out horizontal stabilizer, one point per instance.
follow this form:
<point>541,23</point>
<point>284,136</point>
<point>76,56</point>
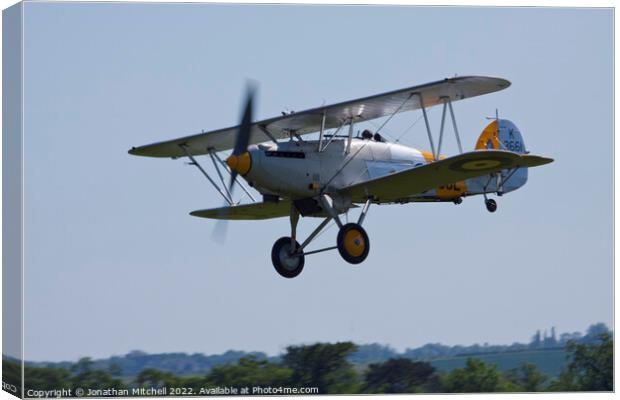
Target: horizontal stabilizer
<point>251,211</point>
<point>531,161</point>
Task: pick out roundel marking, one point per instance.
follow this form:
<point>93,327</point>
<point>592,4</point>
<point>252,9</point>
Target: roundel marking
<point>481,164</point>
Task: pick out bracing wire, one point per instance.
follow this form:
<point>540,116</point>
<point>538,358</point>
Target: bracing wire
<point>410,126</point>
<point>394,138</point>
<point>395,112</point>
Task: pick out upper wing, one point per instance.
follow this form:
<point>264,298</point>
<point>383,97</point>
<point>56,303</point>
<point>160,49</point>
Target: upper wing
<point>309,121</point>
<point>247,211</point>
<point>404,184</point>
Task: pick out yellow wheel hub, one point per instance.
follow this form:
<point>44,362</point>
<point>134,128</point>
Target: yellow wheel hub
<point>354,243</point>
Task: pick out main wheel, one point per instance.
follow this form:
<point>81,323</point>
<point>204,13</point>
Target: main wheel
<point>353,243</point>
<point>285,264</point>
<point>491,205</point>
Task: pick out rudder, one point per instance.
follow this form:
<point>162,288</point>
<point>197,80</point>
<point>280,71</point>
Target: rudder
<point>506,137</point>
<point>501,134</point>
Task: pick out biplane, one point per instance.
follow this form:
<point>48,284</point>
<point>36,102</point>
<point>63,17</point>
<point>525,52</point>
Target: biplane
<point>327,176</point>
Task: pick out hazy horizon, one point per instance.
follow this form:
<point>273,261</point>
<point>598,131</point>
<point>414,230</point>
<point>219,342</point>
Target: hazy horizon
<point>281,351</point>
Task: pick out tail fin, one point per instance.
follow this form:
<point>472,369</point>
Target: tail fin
<point>501,134</point>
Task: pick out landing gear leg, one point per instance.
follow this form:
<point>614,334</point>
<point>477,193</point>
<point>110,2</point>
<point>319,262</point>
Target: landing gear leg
<point>500,184</point>
<point>288,256</point>
<point>287,261</point>
<point>489,203</point>
<point>294,221</point>
<point>327,204</point>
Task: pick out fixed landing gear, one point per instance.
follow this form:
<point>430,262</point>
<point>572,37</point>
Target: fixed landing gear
<point>491,205</point>
<point>286,260</point>
<point>288,256</point>
<point>353,243</point>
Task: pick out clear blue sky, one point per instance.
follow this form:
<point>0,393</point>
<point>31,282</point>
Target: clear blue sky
<point>115,263</point>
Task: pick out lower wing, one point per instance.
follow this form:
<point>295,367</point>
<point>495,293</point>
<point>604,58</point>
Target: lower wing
<point>404,184</point>
<point>247,211</point>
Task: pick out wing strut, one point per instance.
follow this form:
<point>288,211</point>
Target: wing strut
<point>428,126</point>
<point>194,162</point>
<point>456,131</point>
<point>266,132</point>
<point>217,169</point>
<point>350,137</point>
<point>443,123</point>
<point>237,181</point>
<point>447,104</point>
<point>322,132</point>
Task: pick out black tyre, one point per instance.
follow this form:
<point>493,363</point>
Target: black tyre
<point>353,243</point>
<point>491,205</point>
<point>286,265</point>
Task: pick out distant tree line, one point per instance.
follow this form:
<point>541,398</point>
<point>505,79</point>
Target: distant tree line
<point>434,350</point>
<point>327,367</point>
<point>183,364</point>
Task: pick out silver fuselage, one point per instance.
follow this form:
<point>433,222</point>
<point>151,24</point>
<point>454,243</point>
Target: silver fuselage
<point>297,170</point>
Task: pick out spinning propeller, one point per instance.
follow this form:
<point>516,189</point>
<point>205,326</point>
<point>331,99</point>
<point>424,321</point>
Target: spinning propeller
<point>239,161</point>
